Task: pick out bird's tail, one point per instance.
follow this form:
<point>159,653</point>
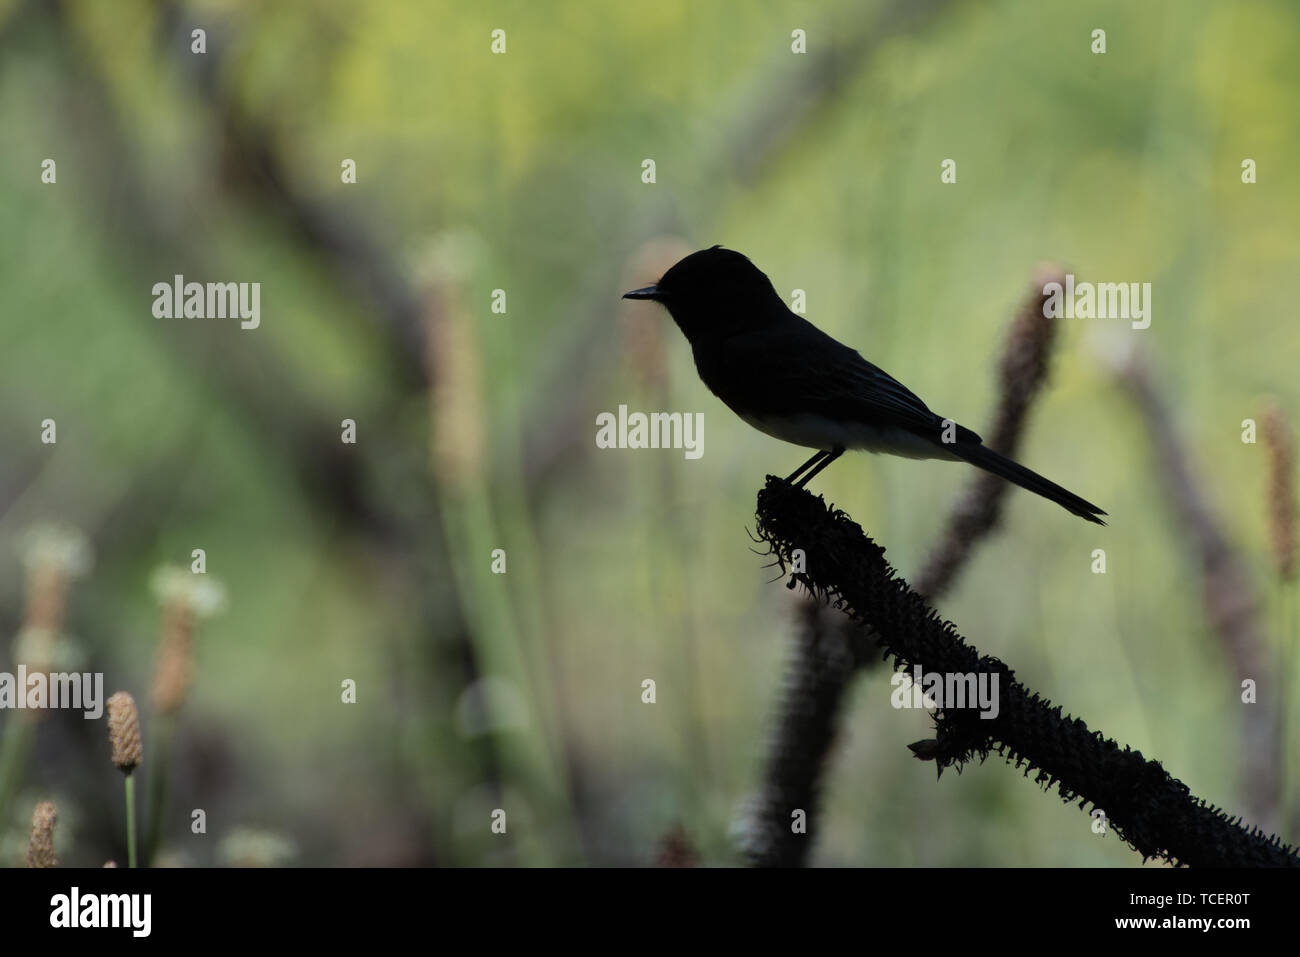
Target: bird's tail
<point>990,461</point>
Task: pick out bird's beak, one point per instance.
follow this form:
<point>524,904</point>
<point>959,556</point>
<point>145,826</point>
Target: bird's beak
<point>648,292</point>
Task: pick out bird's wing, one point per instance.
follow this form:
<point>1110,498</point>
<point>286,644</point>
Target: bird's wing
<point>801,366</point>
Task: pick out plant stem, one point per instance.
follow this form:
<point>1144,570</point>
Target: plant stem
<point>1286,699</point>
<point>156,797</point>
<point>130,820</point>
<point>14,747</point>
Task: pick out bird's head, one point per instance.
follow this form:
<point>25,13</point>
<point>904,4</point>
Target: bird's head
<point>713,290</point>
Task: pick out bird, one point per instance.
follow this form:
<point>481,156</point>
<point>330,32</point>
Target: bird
<point>785,377</point>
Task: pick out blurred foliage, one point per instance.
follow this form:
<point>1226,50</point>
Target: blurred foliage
<point>623,565</point>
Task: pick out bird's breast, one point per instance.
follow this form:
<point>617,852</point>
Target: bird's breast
<point>814,431</point>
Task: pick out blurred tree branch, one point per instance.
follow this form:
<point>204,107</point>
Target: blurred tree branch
<point>1226,586</point>
<point>798,98</point>
<point>1022,373</point>
<point>341,238</point>
<point>260,388</point>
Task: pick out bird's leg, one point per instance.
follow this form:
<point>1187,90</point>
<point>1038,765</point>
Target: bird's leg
<point>809,464</point>
<point>831,456</point>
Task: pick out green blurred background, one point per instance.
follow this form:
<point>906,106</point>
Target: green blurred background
<point>522,171</point>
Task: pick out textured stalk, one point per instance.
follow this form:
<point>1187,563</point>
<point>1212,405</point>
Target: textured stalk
<point>1153,812</point>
